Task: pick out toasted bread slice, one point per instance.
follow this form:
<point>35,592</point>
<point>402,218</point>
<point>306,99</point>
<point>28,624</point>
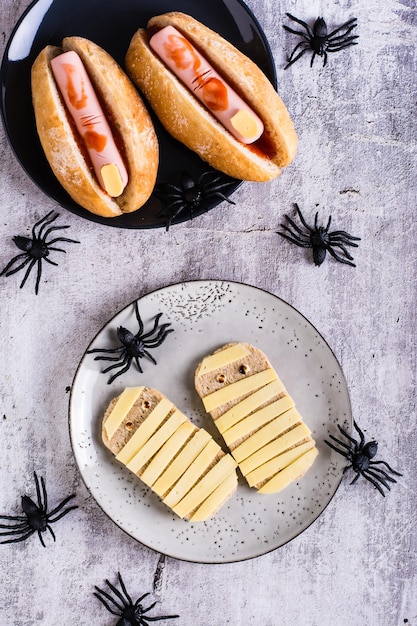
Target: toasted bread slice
<point>181,463</point>
<point>256,416</point>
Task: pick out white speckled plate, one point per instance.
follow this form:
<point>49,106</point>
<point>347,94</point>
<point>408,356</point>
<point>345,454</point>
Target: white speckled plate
<point>206,315</point>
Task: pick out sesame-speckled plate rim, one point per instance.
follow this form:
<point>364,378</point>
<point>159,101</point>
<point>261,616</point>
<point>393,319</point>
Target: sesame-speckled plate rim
<point>205,315</point>
<point>111,25</point>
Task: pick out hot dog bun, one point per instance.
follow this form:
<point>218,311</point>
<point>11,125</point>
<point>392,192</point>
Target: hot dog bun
<point>255,416</point>
<point>192,124</point>
<point>181,463</point>
<point>127,116</point>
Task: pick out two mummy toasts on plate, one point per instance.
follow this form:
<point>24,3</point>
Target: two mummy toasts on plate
<point>263,431</point>
<point>98,136</point>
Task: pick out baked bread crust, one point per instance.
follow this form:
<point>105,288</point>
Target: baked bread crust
<point>189,122</point>
<point>128,118</point>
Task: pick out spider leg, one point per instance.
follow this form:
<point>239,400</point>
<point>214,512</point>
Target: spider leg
<point>62,239</point>
<point>150,357</point>
<point>338,257</point>
<point>39,274</point>
<point>138,365</point>
<point>107,351</point>
<point>45,221</point>
<point>386,465</point>
<point>120,363</point>
<point>377,471</point>
<point>374,483</point>
<point>341,443</point>
<point>346,434</point>
<point>41,538</point>
<point>324,58</point>
<point>350,25</point>
<point>149,609</point>
<point>5,271</point>
<point>128,598</point>
<point>303,24</point>
<point>138,318</point>
<point>301,44</point>
<point>345,454</point>
<point>292,60</point>
<point>122,371</point>
<point>22,538</point>
<point>108,596</point>
<point>302,219</point>
<point>294,239</point>
<point>38,491</point>
<point>155,326</point>
<point>51,531</point>
<point>297,32</point>
<point>160,617</point>
<point>126,601</point>
<point>355,479</point>
<point>333,48</point>
<point>59,507</point>
<point>377,478</point>
<point>15,529</point>
<point>313,57</point>
<point>343,235</point>
<point>13,518</point>
<point>154,343</point>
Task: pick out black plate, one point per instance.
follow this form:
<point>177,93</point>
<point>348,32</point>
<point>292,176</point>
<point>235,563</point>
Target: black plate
<point>111,24</point>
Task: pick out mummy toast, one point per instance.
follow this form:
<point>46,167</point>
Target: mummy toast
<point>211,97</point>
<point>255,416</point>
<point>94,128</point>
<point>181,463</point>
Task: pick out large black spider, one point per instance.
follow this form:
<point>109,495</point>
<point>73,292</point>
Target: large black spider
<point>191,194</point>
<point>319,238</point>
<point>133,346</point>
<point>36,517</point>
<point>319,40</point>
<point>360,455</point>
<point>36,249</point>
<point>131,614</point>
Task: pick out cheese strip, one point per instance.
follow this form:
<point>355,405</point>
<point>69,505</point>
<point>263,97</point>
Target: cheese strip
<point>270,433</point>
<point>293,472</point>
<point>204,487</point>
<point>258,419</point>
<point>167,452</point>
<point>215,499</point>
<point>288,440</point>
<point>197,468</point>
<point>249,404</point>
<point>181,463</point>
<point>224,357</point>
<point>156,441</point>
<point>206,84</point>
<point>122,407</point>
<point>145,430</point>
<point>239,388</point>
<point>83,106</point>
<point>276,464</point>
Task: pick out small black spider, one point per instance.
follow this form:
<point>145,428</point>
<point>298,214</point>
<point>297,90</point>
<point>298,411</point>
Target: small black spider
<point>131,614</point>
<point>190,194</point>
<point>320,239</point>
<point>36,517</point>
<point>360,456</point>
<point>134,346</point>
<point>36,249</point>
<point>319,40</point>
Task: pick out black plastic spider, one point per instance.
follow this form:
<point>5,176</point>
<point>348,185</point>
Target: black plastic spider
<point>36,249</point>
<point>320,239</point>
<point>360,456</point>
<point>36,517</point>
<point>319,40</point>
<point>134,346</point>
<point>131,614</point>
<point>190,194</point>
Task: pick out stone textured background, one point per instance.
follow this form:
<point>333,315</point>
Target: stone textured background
<point>356,565</point>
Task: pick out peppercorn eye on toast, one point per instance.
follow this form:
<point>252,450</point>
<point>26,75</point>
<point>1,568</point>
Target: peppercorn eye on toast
<point>255,416</point>
<point>181,463</point>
